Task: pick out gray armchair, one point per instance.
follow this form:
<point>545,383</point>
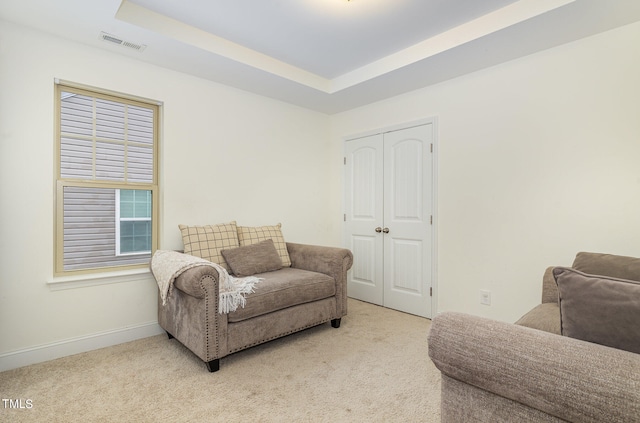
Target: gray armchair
<point>527,372</point>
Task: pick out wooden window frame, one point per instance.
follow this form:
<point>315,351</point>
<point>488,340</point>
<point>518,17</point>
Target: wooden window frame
<point>61,183</point>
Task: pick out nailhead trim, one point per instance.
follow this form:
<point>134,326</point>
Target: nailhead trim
<point>280,336</point>
<point>206,316</point>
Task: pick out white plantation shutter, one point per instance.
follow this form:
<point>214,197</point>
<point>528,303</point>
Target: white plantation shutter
<point>105,144</point>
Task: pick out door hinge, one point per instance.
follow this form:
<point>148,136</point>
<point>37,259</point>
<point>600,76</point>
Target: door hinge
<point>432,147</point>
<point>345,160</point>
<point>431,291</point>
<point>345,217</point>
<point>431,220</point>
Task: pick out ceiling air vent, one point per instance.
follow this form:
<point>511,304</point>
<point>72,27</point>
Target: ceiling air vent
<point>119,41</point>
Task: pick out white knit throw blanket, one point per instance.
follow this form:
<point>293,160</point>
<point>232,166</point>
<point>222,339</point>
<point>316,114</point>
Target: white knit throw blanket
<point>167,265</point>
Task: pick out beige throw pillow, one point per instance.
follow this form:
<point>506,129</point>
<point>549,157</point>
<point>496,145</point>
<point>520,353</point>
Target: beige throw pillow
<point>207,241</point>
<point>599,309</point>
<point>251,259</point>
<point>251,235</point>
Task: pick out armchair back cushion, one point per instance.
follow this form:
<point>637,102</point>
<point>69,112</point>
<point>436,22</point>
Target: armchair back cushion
<point>620,267</point>
<point>599,309</point>
<point>615,266</point>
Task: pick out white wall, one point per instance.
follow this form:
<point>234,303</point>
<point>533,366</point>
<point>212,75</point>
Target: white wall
<point>225,154</point>
<point>539,158</point>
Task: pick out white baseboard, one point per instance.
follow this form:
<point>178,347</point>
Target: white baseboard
<point>41,353</point>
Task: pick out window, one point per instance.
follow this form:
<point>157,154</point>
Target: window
<point>133,221</point>
<point>106,180</point>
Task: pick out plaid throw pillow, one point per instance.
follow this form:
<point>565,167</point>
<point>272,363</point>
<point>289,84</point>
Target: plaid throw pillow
<point>251,235</point>
<point>207,241</point>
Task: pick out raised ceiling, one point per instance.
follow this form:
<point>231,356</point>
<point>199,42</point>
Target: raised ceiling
<point>325,37</point>
<point>325,55</point>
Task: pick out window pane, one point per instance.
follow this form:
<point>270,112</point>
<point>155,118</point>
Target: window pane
<point>143,205</point>
<point>106,140</point>
<point>140,163</point>
<point>135,236</point>
<point>76,158</point>
<point>110,119</point>
<point>76,114</point>
<point>110,163</point>
<point>89,230</point>
<point>135,204</point>
<point>140,125</point>
<point>126,237</point>
<point>126,195</point>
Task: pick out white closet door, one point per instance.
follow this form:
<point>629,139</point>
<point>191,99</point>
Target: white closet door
<point>363,214</point>
<point>407,216</point>
<point>388,205</point>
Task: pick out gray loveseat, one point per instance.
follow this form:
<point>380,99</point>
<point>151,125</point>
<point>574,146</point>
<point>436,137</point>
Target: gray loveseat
<point>310,292</point>
<point>527,372</point>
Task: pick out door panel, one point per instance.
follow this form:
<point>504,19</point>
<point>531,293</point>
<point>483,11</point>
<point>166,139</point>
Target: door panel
<point>407,211</point>
<point>404,167</point>
<point>406,255</point>
<point>364,269</point>
<point>364,208</point>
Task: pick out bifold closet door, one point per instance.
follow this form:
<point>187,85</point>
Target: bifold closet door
<point>388,227</point>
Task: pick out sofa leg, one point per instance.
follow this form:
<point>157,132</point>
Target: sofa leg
<point>169,335</point>
<point>335,323</point>
<point>213,365</point>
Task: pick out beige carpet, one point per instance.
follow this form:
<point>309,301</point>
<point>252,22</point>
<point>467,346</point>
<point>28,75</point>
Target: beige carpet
<point>374,368</point>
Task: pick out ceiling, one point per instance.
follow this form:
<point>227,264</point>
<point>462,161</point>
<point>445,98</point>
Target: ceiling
<point>325,55</point>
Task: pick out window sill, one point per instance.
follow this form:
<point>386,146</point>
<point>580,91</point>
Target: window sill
<point>86,280</point>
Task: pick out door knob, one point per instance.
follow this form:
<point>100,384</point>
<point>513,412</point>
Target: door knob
<point>378,229</point>
<point>385,230</point>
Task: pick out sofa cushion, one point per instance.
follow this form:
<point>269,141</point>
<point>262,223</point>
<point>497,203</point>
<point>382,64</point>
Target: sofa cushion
<point>207,241</point>
<point>599,309</point>
<point>248,235</point>
<point>545,316</point>
<point>252,259</point>
<point>284,288</point>
<point>621,267</point>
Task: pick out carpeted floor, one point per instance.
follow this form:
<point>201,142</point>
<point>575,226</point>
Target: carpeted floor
<point>374,368</point>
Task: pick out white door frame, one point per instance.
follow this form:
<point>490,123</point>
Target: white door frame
<point>434,193</point>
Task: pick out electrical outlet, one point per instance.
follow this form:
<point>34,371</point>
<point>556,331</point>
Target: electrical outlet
<point>485,297</point>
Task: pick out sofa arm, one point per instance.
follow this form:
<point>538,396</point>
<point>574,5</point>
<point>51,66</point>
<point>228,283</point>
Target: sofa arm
<point>198,281</point>
<point>564,377</point>
<point>191,314</point>
<point>549,287</point>
<point>331,261</point>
